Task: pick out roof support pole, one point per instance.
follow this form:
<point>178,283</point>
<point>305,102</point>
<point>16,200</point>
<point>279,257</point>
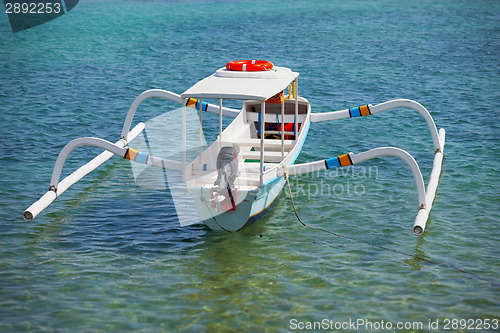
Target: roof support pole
<point>262,134</point>
<point>183,140</point>
<point>201,132</point>
<point>220,122</point>
<point>283,129</point>
<point>296,96</point>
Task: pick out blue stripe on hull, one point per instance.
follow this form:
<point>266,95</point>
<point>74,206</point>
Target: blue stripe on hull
<point>230,221</point>
<point>254,218</point>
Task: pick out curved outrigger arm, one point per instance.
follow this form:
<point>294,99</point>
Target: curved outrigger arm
<point>160,93</point>
<point>125,152</point>
<point>127,135</point>
<point>369,109</point>
<point>119,148</point>
<point>425,198</point>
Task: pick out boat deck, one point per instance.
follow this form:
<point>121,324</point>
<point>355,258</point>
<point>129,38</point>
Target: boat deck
<point>244,134</point>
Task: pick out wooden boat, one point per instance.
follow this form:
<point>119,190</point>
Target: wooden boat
<point>233,181</point>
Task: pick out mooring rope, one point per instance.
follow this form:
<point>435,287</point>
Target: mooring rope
<point>450,266</point>
<point>285,174</point>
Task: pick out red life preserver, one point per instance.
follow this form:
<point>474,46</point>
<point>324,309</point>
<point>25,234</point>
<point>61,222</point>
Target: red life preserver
<point>249,65</point>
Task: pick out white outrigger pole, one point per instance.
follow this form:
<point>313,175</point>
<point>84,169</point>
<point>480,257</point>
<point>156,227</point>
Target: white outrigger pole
<point>262,188</point>
<point>119,148</point>
<point>425,197</point>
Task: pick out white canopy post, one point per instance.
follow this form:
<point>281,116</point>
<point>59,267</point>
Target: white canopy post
<point>184,140</point>
<point>201,133</point>
<point>262,134</point>
<point>283,129</point>
<point>296,96</point>
<point>220,122</point>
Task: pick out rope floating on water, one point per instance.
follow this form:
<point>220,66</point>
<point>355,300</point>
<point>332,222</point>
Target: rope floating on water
<point>450,266</point>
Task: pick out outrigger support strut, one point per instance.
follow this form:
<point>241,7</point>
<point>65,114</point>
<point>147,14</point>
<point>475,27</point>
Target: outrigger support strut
<point>51,195</point>
<point>425,198</point>
<point>120,149</point>
<point>57,188</point>
<point>160,93</point>
<point>351,159</point>
<point>125,152</point>
<point>369,109</point>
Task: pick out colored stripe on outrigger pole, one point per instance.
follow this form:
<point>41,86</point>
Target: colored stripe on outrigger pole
<point>339,161</point>
<point>360,111</point>
<point>195,104</point>
<point>137,156</point>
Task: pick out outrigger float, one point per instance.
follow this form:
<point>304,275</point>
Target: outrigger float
<point>236,179</point>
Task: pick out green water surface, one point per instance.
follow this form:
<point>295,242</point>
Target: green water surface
<point>110,256</point>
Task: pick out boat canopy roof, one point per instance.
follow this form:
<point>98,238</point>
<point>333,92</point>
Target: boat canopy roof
<point>228,84</point>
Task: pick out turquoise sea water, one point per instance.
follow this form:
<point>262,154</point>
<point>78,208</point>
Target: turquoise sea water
<point>109,255</point>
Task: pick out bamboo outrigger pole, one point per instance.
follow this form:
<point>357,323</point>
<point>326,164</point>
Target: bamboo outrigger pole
<point>57,188</point>
<point>425,196</point>
<point>51,195</point>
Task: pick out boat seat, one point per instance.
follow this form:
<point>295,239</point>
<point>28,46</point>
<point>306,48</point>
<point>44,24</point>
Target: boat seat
<point>244,179</point>
<point>269,156</point>
<point>268,143</point>
<point>274,128</point>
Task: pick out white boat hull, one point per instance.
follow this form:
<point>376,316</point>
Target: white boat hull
<point>253,200</point>
<point>255,206</point>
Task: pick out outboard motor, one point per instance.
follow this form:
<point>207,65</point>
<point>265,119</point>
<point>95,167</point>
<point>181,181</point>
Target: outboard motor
<point>224,193</point>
